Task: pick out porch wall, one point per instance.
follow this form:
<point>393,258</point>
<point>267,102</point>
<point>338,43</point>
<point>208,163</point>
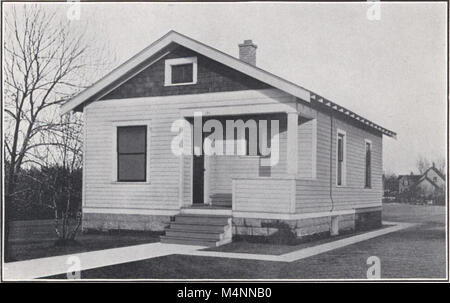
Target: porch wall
<point>224,168</point>
<point>264,195</point>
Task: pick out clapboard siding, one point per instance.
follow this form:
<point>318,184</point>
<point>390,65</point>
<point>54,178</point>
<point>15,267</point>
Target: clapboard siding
<point>267,195</point>
<point>225,168</point>
<point>162,191</point>
<point>305,148</point>
<point>315,195</point>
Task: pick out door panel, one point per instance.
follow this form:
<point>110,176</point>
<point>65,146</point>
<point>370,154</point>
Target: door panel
<point>198,175</point>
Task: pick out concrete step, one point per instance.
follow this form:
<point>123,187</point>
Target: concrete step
<point>196,227</point>
<point>202,219</point>
<point>221,204</point>
<point>189,241</point>
<point>199,229</point>
<point>202,235</point>
<point>221,198</point>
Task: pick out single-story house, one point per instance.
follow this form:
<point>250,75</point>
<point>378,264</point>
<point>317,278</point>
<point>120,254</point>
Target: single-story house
<point>186,139</point>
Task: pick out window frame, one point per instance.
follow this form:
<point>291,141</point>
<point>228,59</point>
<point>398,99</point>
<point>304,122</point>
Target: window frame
<point>179,61</point>
<point>342,133</point>
<point>367,141</point>
<point>115,164</point>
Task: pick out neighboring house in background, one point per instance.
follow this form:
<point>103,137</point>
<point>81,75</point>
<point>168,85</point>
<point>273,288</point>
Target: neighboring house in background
<point>428,186</point>
<point>328,177</point>
<point>406,181</point>
<point>390,186</point>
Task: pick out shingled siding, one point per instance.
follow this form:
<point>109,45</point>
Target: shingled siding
<point>211,77</point>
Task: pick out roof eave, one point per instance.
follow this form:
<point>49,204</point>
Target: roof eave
<point>174,37</point>
<point>90,93</point>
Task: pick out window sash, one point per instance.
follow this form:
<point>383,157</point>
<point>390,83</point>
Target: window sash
<point>341,148</point>
<point>368,171</point>
<point>125,152</point>
<point>340,159</point>
<point>182,73</point>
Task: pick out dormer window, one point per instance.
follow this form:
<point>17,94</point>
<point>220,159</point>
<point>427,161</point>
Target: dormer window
<point>180,71</point>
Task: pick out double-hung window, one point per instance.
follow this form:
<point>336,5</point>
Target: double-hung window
<point>341,158</point>
<point>368,170</point>
<point>132,153</point>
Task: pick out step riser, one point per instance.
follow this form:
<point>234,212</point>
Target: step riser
<point>196,229</point>
<point>188,242</point>
<point>221,205</point>
<point>200,236</point>
<point>200,228</point>
<point>201,220</point>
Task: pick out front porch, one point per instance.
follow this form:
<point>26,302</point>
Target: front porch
<point>246,182</point>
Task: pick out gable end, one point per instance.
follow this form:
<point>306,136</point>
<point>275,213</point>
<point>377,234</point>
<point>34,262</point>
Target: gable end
<point>211,77</point>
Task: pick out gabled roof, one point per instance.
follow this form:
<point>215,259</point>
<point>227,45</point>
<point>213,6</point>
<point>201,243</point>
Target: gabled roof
<point>424,177</point>
<point>92,92</point>
<point>436,171</point>
<point>420,178</point>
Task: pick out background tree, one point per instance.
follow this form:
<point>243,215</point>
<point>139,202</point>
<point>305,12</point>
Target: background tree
<point>422,164</point>
<point>60,175</point>
<point>390,184</point>
<point>46,60</point>
<point>441,165</point>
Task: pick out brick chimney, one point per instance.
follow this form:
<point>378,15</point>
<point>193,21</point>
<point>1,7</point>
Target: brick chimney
<point>247,52</point>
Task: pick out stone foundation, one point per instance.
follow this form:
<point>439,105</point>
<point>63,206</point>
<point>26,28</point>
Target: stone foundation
<point>366,219</point>
<point>299,230</point>
<point>107,222</point>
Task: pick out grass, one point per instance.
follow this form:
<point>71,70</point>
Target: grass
<point>37,239</point>
<point>411,253</point>
<point>278,249</point>
<point>417,252</point>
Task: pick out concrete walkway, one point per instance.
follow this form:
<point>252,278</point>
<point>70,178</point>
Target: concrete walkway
<point>309,251</point>
<point>37,268</point>
<point>43,267</point>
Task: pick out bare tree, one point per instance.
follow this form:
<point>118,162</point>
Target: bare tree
<point>46,61</point>
<point>59,162</point>
<point>441,165</point>
<point>422,164</point>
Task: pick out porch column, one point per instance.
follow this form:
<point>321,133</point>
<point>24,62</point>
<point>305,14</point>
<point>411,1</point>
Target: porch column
<point>292,145</point>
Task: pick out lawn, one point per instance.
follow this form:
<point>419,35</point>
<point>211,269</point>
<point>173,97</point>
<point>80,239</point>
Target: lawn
<point>418,252</point>
<point>36,239</point>
<point>278,249</point>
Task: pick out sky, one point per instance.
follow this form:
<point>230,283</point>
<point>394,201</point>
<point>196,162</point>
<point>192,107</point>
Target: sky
<point>392,71</point>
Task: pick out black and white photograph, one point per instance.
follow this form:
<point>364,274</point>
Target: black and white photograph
<point>224,141</point>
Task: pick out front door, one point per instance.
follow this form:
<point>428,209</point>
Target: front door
<point>198,179</point>
<point>198,175</point>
